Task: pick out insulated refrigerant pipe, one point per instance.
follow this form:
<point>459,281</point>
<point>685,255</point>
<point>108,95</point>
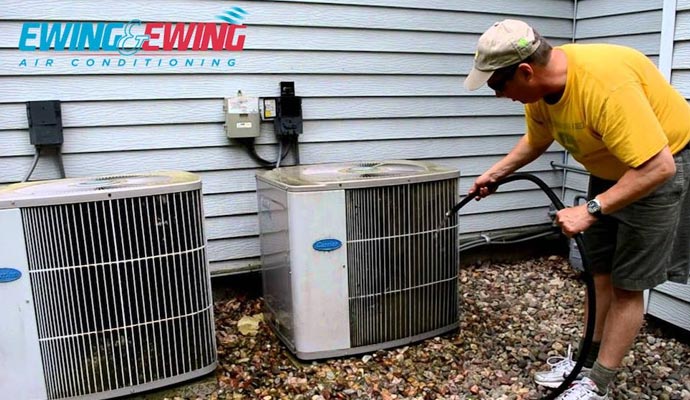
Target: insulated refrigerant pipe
<point>586,276</point>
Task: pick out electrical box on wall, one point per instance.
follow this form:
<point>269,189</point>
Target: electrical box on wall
<point>45,122</point>
<point>288,118</point>
<point>242,117</point>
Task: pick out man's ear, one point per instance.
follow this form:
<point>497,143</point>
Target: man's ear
<point>526,71</point>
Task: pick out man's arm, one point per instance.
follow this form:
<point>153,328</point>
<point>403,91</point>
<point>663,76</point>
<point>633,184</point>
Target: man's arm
<point>638,182</point>
<point>522,154</point>
<point>635,184</point>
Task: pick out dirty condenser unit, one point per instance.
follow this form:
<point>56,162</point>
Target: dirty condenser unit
<point>104,285</point>
<point>356,257</point>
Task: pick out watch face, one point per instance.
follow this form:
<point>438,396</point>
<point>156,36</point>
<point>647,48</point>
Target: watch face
<point>593,207</point>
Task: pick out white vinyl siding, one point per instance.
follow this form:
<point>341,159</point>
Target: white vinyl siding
<point>671,301</point>
<point>680,72</point>
<point>380,79</point>
<point>634,23</point>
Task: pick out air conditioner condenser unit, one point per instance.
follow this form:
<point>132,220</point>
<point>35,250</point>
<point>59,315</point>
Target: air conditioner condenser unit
<point>104,285</point>
<point>356,257</point>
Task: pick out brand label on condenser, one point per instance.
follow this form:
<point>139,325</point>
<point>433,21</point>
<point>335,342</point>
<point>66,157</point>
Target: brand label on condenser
<point>9,275</point>
<point>327,244</point>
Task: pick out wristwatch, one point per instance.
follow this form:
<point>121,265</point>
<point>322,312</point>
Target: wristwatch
<point>594,207</point>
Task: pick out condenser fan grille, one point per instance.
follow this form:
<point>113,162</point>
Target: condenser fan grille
<point>354,175</point>
<point>362,170</point>
<point>402,271</point>
<point>121,291</point>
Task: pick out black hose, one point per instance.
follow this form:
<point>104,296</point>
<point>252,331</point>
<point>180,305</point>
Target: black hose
<point>586,276</point>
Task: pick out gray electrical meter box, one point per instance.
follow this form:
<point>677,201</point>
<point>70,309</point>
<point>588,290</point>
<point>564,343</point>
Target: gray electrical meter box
<point>242,117</point>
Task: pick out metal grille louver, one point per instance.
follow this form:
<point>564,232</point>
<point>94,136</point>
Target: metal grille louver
<point>121,291</point>
<point>402,270</point>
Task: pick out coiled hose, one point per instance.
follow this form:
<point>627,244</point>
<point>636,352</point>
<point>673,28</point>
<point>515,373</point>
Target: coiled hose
<point>586,276</point>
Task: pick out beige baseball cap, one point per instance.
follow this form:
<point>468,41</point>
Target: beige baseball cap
<point>505,43</point>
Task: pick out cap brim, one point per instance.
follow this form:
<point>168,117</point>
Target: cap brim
<point>477,79</point>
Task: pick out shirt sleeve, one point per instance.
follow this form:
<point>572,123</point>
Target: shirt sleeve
<point>629,127</point>
<point>538,133</point>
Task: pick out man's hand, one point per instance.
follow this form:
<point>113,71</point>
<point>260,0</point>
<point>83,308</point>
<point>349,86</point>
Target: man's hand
<point>574,220</point>
<point>483,186</point>
<point>522,154</point>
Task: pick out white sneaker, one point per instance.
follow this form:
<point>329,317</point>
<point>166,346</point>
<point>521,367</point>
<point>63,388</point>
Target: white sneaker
<point>560,369</point>
<point>584,389</point>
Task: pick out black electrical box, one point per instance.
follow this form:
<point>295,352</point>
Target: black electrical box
<point>45,122</point>
<point>288,119</point>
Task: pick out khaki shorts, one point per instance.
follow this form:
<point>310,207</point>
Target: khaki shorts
<point>647,242</point>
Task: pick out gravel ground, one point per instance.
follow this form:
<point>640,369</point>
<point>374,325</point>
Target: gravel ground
<point>513,317</point>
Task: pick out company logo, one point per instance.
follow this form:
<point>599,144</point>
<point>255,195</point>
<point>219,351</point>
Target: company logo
<point>234,16</point>
<point>9,275</point>
<point>102,41</point>
<point>327,244</point>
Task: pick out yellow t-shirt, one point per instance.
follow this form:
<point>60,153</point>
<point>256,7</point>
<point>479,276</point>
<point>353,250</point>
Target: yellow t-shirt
<point>617,111</point>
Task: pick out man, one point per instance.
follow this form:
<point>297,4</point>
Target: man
<point>615,113</point>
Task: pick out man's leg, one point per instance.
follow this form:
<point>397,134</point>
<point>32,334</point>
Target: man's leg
<point>623,323</point>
